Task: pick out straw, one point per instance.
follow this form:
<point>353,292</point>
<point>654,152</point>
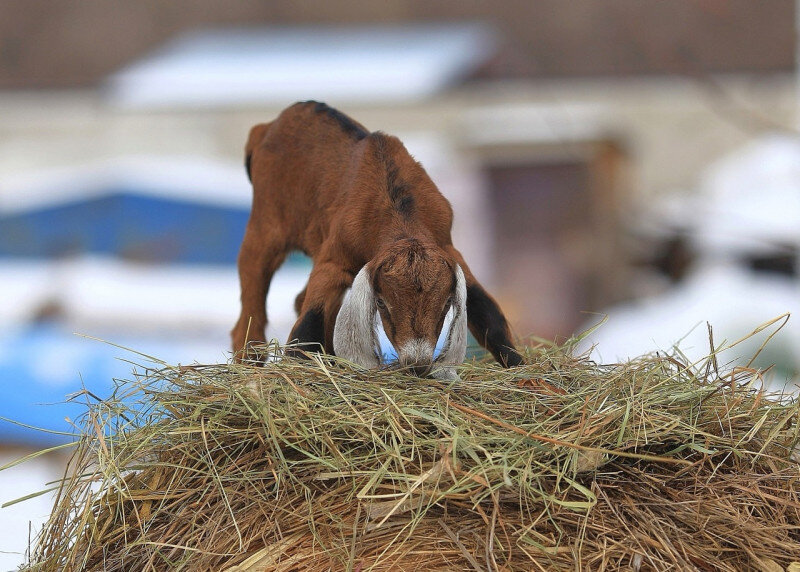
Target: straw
<point>561,464</point>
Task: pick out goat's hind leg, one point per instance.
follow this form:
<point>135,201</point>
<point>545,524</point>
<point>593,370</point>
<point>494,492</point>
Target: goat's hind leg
<point>263,251</point>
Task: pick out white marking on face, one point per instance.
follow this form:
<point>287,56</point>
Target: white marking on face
<point>416,352</point>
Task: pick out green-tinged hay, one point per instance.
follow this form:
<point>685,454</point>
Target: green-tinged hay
<point>562,464</point>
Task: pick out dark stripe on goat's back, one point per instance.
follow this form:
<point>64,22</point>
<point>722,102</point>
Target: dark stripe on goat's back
<point>405,205</point>
<point>399,190</point>
<point>346,123</point>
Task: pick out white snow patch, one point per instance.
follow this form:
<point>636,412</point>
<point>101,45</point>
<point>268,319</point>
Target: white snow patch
<point>20,520</point>
<point>278,65</point>
<point>98,294</point>
<point>196,179</point>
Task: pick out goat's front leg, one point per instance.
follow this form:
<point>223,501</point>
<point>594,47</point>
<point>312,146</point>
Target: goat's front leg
<point>486,320</point>
<point>321,300</point>
<point>262,252</point>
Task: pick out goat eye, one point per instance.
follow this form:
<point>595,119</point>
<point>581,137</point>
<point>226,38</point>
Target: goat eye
<point>381,304</point>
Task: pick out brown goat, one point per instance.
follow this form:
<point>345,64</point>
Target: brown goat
<point>373,222</point>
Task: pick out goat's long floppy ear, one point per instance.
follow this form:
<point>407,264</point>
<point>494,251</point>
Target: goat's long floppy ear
<point>355,334</point>
<point>455,344</point>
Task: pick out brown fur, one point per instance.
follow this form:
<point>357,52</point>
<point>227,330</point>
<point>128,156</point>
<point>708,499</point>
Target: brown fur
<point>324,185</point>
<point>409,270</point>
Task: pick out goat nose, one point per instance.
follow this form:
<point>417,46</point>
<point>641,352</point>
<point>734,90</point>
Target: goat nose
<point>419,367</point>
<point>416,352</point>
<point>419,370</point>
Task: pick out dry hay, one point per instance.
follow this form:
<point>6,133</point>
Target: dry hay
<point>562,464</point>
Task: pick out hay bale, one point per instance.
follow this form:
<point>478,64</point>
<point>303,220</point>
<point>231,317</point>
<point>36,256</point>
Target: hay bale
<point>562,464</point>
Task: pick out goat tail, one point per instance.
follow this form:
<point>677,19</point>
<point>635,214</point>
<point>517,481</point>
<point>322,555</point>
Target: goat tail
<point>256,136</point>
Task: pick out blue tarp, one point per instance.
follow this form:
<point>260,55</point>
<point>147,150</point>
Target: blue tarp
<point>124,223</point>
<point>40,366</point>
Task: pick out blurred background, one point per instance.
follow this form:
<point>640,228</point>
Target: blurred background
<point>638,159</point>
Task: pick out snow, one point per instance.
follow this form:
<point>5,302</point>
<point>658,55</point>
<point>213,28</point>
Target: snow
<point>750,200</point>
<point>279,65</point>
<point>747,203</point>
<point>98,294</point>
<point>734,302</point>
<point>20,520</point>
<point>196,179</point>
<point>734,308</point>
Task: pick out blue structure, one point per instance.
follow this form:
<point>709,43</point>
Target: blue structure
<point>40,368</point>
<point>43,362</point>
<point>123,223</point>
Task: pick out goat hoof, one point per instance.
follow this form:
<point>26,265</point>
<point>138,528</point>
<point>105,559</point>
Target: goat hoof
<point>253,353</point>
<point>302,350</point>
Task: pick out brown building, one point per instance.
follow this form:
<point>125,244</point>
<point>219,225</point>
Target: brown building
<point>59,43</point>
